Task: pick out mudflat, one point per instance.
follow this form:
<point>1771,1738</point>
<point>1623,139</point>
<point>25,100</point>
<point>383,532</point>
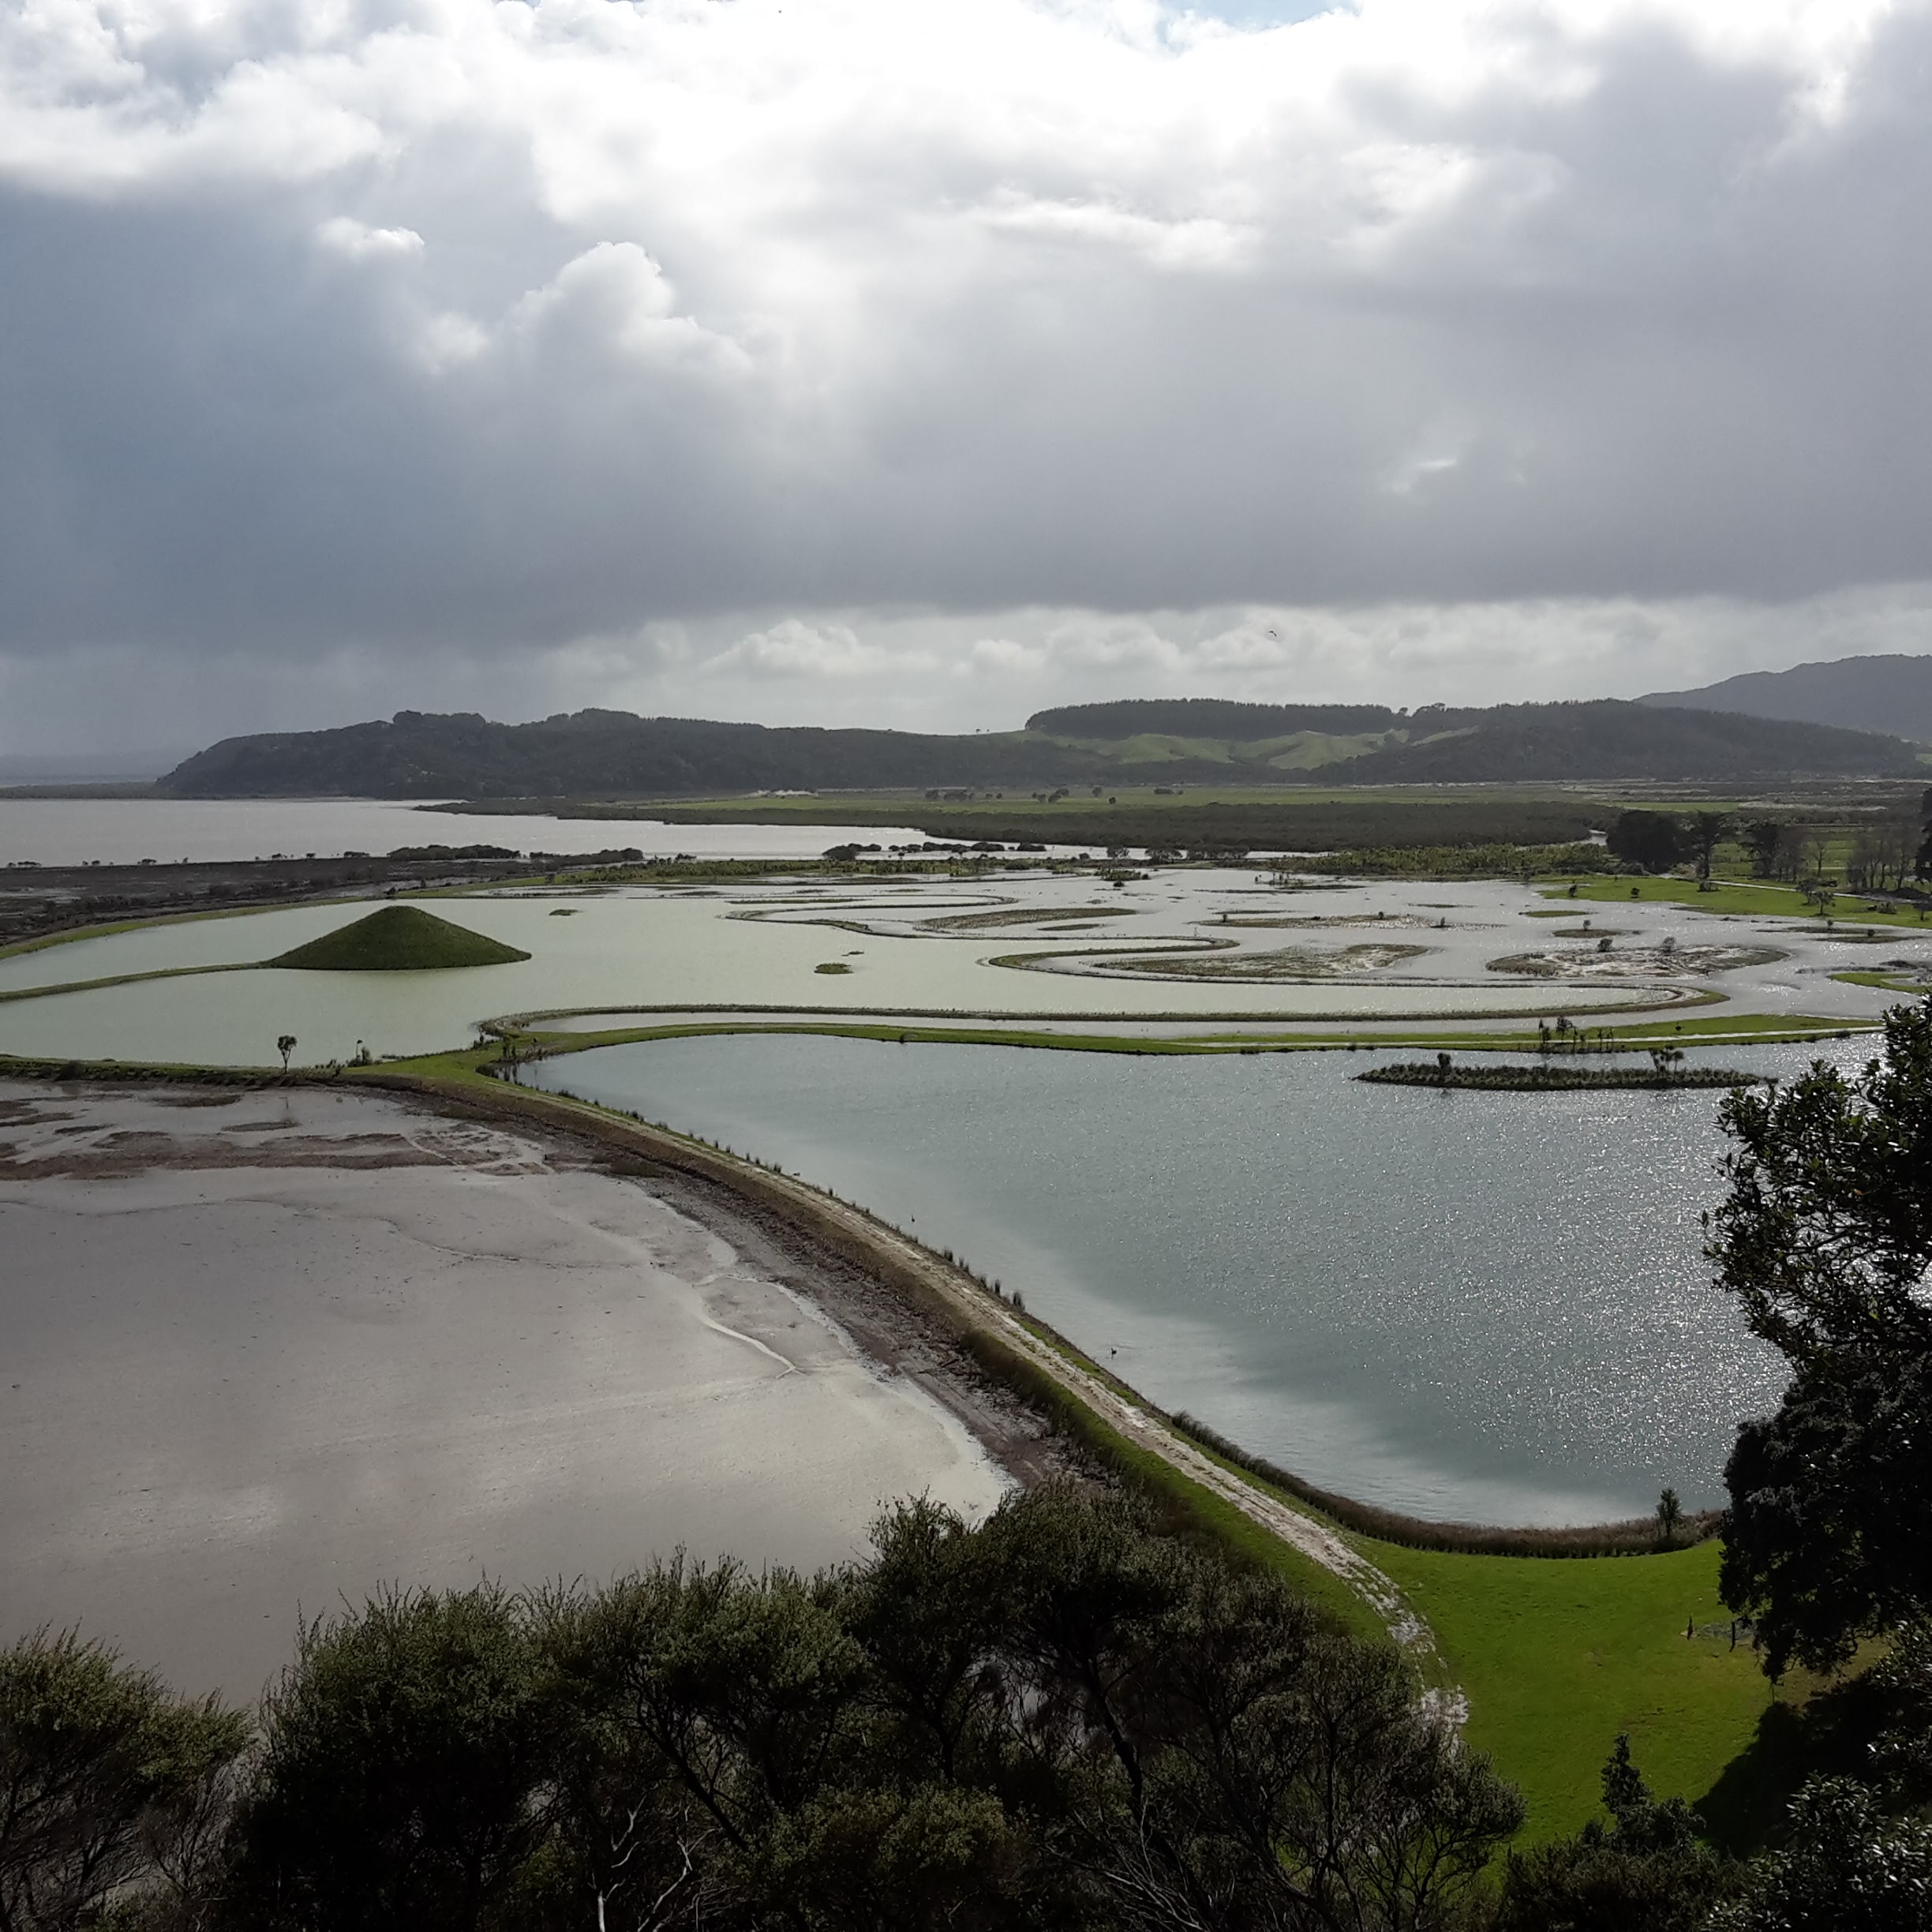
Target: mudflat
<point>264,1350</point>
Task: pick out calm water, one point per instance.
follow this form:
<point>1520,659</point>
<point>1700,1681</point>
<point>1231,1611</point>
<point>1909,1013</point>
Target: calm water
<point>1491,1306</point>
<point>126,831</point>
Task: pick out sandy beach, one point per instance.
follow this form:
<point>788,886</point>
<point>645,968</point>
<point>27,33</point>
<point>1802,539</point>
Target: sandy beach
<point>263,1350</point>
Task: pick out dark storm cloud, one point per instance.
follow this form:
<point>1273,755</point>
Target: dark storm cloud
<point>416,341</point>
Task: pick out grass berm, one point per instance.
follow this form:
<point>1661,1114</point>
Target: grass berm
<point>398,938</point>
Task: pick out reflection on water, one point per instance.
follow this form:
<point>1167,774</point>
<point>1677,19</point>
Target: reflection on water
<point>1480,1305</point>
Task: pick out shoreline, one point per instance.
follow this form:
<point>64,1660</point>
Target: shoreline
<point>269,1347</point>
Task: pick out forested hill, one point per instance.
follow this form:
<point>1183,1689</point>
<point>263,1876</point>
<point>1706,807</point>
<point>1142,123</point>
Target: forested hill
<point>612,754</point>
<point>1889,694</point>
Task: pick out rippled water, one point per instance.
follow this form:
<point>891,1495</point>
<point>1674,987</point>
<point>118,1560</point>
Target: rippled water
<point>1464,1304</point>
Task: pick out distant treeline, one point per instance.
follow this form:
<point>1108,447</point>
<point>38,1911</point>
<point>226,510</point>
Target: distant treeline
<point>1472,861</point>
<point>1552,1079</point>
<point>1322,825</point>
<point>615,755</point>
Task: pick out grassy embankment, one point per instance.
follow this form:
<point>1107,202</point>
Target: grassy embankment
<point>912,1029</point>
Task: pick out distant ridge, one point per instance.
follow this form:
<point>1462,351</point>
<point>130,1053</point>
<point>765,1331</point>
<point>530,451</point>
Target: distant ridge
<point>1208,717</point>
<point>611,754</point>
<point>1880,694</point>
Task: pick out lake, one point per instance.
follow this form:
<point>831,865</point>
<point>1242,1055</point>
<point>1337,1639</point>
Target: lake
<point>1466,1306</point>
<point>68,832</point>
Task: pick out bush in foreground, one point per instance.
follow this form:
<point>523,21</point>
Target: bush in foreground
<point>1059,1719</point>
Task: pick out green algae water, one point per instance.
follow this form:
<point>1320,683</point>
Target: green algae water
<point>1491,1307</point>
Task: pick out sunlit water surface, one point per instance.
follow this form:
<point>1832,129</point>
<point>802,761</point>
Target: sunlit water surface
<point>1489,1306</point>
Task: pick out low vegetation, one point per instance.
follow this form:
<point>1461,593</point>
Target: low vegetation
<point>1444,1074</point>
<point>398,938</point>
<point>1641,1535</point>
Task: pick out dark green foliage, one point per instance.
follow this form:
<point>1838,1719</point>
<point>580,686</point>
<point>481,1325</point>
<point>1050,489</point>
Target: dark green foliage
<point>1646,1872</point>
<point>105,1779</point>
<point>398,938</point>
<point>1845,1867</point>
<point>1444,862</point>
<point>1060,1722</point>
<point>1653,840</point>
<point>402,1752</point>
<point>1824,1237</point>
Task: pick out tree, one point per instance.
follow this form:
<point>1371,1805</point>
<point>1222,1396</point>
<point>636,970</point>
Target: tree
<point>1653,841</point>
<point>1669,1514</point>
<point>1824,1237</point>
<point>286,1045</point>
<point>1705,831</point>
<point>1844,1867</point>
<point>1761,838</point>
<point>101,1769</point>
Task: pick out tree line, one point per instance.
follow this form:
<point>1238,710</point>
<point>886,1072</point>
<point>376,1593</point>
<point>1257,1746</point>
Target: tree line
<point>1885,853</point>
<point>1062,1718</point>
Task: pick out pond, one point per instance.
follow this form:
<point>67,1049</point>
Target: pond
<point>1466,1306</point>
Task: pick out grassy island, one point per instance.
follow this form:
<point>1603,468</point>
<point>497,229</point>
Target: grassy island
<point>398,938</point>
<point>1553,1078</point>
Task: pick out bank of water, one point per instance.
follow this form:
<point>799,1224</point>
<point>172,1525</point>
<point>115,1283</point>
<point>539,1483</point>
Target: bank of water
<point>1466,1306</point>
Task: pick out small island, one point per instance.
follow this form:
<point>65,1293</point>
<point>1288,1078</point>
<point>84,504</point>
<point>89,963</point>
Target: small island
<point>398,938</point>
<point>1662,1070</point>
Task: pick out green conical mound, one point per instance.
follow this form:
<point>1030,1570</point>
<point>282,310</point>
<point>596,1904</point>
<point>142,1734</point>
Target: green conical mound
<point>400,938</point>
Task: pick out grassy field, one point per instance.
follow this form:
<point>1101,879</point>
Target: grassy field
<point>1752,900</point>
<point>1558,1656</point>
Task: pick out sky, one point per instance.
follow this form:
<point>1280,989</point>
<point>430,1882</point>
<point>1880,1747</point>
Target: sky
<point>925,362</point>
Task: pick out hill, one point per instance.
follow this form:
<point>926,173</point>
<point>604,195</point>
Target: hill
<point>398,938</point>
<point>612,755</point>
<point>1888,694</point>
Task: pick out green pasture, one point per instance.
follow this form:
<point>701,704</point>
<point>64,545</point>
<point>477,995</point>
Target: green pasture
<point>1756,1029</point>
<point>1753,899</point>
<point>1557,1655</point>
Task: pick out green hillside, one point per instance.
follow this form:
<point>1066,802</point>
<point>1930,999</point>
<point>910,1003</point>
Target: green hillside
<point>400,938</point>
<point>611,754</point>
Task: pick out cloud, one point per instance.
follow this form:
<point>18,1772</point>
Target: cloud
<point>426,334</point>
